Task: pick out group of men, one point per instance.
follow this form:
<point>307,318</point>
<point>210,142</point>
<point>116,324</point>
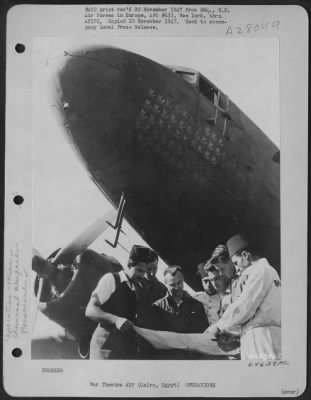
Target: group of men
<point>240,305</point>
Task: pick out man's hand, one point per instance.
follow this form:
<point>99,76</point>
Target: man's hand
<point>228,342</point>
<point>124,325</point>
<point>212,330</point>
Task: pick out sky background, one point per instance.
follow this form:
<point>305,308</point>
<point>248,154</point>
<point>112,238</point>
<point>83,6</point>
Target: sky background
<point>65,200</point>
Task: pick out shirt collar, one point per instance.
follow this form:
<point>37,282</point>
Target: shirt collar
<point>124,278</point>
<point>185,297</point>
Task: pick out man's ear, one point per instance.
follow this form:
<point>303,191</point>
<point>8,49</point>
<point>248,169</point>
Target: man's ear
<point>245,254</point>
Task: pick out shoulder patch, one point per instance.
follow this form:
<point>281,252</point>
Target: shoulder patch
<point>277,282</point>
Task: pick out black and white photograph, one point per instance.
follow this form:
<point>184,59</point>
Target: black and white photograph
<point>189,171</point>
<point>157,206</point>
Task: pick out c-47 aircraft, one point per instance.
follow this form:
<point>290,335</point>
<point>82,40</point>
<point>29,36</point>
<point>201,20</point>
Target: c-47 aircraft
<point>172,153</point>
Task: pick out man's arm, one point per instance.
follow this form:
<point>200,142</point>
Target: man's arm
<point>94,312</point>
<point>101,294</point>
<point>247,304</point>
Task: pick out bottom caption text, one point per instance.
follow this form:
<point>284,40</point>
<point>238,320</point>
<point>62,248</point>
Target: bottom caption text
<point>149,385</point>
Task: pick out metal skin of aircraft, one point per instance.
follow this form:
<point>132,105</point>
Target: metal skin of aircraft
<point>193,168</point>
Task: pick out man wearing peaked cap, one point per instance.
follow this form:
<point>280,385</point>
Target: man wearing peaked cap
<point>113,306</point>
<point>257,311</point>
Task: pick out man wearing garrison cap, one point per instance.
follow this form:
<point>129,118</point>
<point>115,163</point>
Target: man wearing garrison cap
<point>113,305</point>
<point>257,311</point>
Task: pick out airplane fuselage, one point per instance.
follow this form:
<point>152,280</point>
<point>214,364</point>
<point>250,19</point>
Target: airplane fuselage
<point>194,168</point>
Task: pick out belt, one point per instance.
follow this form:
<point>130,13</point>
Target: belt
<point>260,326</point>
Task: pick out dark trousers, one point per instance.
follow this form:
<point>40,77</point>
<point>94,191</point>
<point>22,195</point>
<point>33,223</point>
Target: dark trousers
<point>113,345</point>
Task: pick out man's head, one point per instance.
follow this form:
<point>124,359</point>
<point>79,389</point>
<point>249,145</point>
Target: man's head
<point>174,281</point>
<point>215,278</point>
<point>239,252</point>
<point>206,283</point>
<point>220,258</point>
<point>152,270</point>
<point>218,270</point>
<point>142,261</point>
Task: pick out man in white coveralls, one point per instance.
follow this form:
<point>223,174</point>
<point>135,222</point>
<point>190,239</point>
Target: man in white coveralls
<point>257,311</point>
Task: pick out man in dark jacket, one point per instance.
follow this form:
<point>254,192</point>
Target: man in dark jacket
<point>178,312</point>
<point>113,305</point>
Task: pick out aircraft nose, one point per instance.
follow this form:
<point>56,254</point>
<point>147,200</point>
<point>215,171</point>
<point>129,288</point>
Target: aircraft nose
<point>97,94</point>
<point>84,89</point>
<point>75,77</point>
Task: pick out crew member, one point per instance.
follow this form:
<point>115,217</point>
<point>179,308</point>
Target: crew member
<point>148,290</point>
<point>222,274</point>
<point>257,311</point>
<point>178,312</point>
<point>209,297</point>
<point>226,280</point>
<point>113,305</point>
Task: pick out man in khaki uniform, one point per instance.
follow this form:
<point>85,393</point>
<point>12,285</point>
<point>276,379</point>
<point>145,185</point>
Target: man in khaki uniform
<point>223,276</point>
<point>209,297</point>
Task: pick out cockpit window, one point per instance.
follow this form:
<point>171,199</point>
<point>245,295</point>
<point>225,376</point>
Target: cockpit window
<point>190,77</point>
<point>212,93</point>
<point>207,89</point>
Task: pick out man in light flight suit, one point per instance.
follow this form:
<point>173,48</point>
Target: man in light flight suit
<point>257,311</point>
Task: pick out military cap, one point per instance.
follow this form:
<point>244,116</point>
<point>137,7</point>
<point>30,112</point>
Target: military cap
<point>142,254</point>
<point>220,251</point>
<point>236,243</point>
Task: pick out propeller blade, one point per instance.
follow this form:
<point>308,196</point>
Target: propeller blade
<point>85,239</point>
<point>40,265</point>
<point>35,252</point>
